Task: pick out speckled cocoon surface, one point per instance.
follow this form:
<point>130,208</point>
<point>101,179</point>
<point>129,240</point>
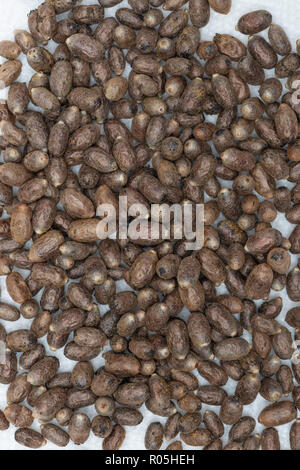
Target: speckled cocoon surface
<point>13,15</point>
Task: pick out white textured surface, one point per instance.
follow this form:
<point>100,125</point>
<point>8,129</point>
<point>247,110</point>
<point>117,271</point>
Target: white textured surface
<point>13,15</point>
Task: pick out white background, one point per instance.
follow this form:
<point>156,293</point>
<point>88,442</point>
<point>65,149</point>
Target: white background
<point>13,15</point>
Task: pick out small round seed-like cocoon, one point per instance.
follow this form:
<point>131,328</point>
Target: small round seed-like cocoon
<point>115,88</point>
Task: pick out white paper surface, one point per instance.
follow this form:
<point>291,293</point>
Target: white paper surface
<point>13,15</point>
